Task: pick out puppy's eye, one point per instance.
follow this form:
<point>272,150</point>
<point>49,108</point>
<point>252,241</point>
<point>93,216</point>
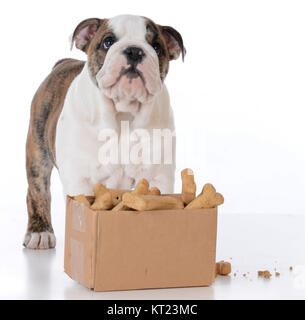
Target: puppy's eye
<point>157,47</point>
<point>108,42</point>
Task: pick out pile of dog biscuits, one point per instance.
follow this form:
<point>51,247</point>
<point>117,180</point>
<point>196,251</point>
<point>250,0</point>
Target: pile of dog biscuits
<point>144,198</point>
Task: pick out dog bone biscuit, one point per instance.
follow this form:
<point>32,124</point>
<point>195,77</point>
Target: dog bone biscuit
<point>103,202</point>
<point>117,195</point>
<point>151,202</point>
<point>208,189</point>
<point>208,198</point>
<point>219,199</point>
<point>205,202</point>
<point>82,199</point>
<point>155,191</point>
<point>142,187</point>
<point>188,186</point>
<point>99,189</point>
<point>103,198</point>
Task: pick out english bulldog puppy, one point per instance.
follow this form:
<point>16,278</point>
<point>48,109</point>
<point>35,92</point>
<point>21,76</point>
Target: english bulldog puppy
<point>121,83</point>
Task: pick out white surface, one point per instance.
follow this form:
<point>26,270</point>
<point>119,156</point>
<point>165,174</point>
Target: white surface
<point>238,98</point>
<point>253,242</point>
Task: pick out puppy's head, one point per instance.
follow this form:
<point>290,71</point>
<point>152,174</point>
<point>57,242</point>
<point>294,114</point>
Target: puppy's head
<point>128,57</point>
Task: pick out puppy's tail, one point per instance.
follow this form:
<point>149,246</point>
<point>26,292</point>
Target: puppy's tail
<point>62,61</point>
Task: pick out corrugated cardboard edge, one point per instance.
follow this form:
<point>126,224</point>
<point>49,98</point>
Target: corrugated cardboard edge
<point>213,275</point>
<point>80,243</point>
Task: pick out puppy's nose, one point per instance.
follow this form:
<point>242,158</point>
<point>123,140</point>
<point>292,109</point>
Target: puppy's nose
<point>134,55</point>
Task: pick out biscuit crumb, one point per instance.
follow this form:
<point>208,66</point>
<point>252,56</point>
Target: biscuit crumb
<point>223,268</point>
<point>244,275</point>
<point>290,268</point>
<point>266,274</point>
<point>277,274</point>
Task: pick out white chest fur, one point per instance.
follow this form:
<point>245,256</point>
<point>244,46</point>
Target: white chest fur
<point>85,113</point>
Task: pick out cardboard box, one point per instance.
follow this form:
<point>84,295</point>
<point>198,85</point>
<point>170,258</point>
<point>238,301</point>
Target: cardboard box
<point>107,251</point>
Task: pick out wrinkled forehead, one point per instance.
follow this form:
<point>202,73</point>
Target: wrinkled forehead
<point>128,27</point>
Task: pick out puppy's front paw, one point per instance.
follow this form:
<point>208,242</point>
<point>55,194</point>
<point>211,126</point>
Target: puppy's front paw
<point>40,240</point>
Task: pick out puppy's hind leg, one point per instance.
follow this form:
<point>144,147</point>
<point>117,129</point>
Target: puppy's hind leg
<point>39,166</point>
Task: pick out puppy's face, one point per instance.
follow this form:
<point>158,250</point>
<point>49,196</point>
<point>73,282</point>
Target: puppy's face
<point>128,57</point>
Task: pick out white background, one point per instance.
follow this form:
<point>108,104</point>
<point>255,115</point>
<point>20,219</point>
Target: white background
<point>238,98</point>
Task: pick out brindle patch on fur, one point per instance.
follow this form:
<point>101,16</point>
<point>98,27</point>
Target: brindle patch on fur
<point>153,34</point>
<point>34,171</point>
<point>96,53</point>
<point>40,219</point>
<point>173,33</point>
<point>40,147</point>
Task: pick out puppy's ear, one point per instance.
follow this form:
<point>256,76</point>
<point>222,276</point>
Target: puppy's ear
<point>174,42</point>
<point>84,32</point>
